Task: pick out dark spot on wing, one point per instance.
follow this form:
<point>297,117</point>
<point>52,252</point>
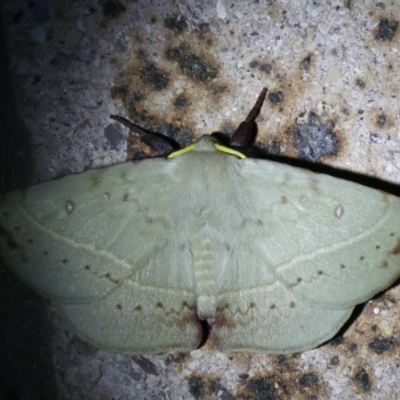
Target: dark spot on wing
<point>65,260</point>
<point>361,258</point>
<point>320,272</point>
<point>342,266</point>
<point>384,264</point>
<point>292,304</point>
<point>138,308</point>
<point>377,247</point>
<point>272,306</point>
<point>111,279</point>
<point>119,307</point>
<point>159,304</point>
<point>87,267</point>
<point>45,253</point>
<point>284,200</point>
<point>252,305</point>
<point>126,197</point>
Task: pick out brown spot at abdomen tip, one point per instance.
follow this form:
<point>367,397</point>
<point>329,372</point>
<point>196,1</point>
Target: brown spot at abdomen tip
<point>10,241</point>
<point>396,249</point>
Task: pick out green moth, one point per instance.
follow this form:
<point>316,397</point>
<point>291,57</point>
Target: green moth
<point>136,257</point>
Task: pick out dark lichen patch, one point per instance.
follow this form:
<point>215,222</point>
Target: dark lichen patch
<point>267,68</point>
<point>254,64</point>
<point>314,139</point>
<point>308,380</point>
<point>334,360</point>
<point>153,76</point>
<point>381,120</point>
<point>119,92</point>
<point>194,67</point>
<point>180,101</point>
<point>305,63</point>
<point>336,341</point>
<point>360,83</point>
<point>386,30</point>
<point>112,8</point>
<point>175,23</point>
<point>195,386</point>
<point>263,388</point>
<point>191,64</point>
<point>362,379</point>
<point>275,97</point>
<point>379,346</point>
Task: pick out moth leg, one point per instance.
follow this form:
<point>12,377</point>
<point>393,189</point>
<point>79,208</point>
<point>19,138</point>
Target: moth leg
<point>244,135</point>
<point>162,145</point>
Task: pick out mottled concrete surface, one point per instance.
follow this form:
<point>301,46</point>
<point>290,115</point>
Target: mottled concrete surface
<point>185,69</point>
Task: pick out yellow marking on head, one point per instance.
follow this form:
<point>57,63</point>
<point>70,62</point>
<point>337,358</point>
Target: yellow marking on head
<point>227,150</point>
<point>219,147</point>
<point>182,151</point>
